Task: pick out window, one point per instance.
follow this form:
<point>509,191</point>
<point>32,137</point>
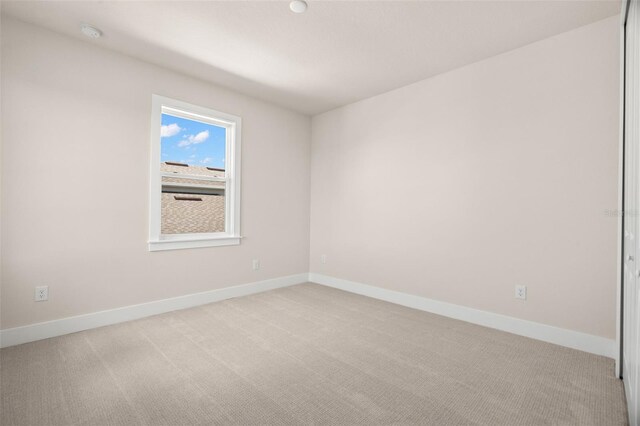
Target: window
<point>195,176</point>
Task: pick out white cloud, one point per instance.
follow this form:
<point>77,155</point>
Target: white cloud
<point>206,160</point>
<point>194,139</point>
<point>170,130</point>
<point>201,137</point>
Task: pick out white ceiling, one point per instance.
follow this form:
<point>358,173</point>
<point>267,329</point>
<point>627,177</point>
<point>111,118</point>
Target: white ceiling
<point>336,53</point>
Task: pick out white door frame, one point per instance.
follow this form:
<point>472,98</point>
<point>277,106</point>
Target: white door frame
<point>620,224</point>
<point>628,324</point>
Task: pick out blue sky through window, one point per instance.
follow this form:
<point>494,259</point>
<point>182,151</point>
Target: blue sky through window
<point>192,142</point>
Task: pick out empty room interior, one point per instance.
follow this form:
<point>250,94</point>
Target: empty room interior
<point>318,212</point>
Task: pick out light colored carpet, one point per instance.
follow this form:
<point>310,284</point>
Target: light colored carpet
<point>306,354</point>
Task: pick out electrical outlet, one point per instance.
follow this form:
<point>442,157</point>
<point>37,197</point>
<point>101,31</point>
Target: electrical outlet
<point>256,264</point>
<point>521,292</point>
<point>323,259</point>
<point>42,293</point>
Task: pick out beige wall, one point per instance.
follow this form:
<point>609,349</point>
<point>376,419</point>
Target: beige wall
<point>455,188</point>
<point>75,174</point>
<point>461,186</point>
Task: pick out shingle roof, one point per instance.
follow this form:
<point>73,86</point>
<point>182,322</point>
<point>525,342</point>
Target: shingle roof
<point>191,170</point>
<point>180,212</point>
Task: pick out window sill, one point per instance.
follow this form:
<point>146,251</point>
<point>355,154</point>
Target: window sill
<point>178,243</point>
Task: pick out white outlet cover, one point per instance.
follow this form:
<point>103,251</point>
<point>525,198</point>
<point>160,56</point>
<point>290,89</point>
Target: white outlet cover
<point>521,292</point>
<point>41,293</point>
<point>256,264</point>
<point>323,258</point>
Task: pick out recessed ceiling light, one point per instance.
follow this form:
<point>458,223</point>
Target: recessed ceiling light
<point>298,6</point>
<point>89,31</point>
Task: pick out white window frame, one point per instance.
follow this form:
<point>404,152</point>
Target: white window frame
<point>232,124</point>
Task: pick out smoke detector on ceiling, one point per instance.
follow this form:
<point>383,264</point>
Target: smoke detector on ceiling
<point>90,31</point>
<point>298,6</point>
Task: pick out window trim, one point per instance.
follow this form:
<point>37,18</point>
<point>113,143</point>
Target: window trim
<point>233,124</point>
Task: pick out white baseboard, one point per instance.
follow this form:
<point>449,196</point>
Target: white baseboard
<point>572,339</point>
<point>559,336</point>
<point>44,330</point>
